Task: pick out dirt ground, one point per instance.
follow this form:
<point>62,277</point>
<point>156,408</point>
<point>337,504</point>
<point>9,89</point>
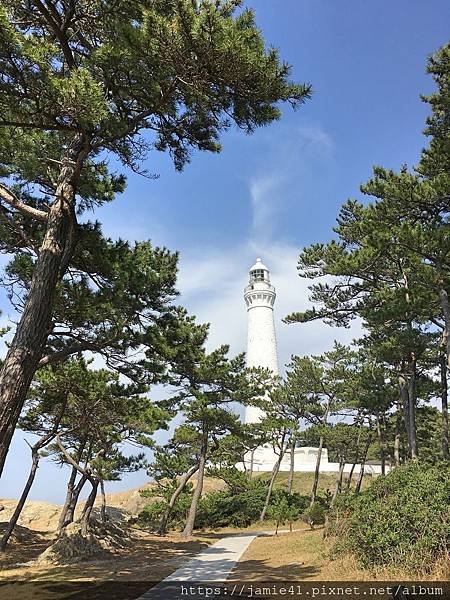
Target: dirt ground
<point>301,555</point>
<point>126,574</point>
<point>148,559</point>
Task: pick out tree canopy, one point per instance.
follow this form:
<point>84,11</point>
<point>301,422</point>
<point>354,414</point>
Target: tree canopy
<point>82,82</point>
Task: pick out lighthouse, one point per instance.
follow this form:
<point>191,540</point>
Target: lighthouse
<point>259,296</point>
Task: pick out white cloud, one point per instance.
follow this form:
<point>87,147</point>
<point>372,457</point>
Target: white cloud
<point>316,137</point>
<point>212,282</point>
<point>264,195</point>
<point>280,173</point>
<point>218,299</point>
<point>203,273</point>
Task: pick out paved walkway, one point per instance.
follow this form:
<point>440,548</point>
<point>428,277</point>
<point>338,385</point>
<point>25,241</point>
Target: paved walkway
<point>214,564</point>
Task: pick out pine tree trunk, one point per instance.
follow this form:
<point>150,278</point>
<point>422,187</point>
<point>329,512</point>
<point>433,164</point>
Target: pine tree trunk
<point>444,400</point>
<point>190,521</point>
<point>381,443</point>
<point>68,499</point>
<point>350,475</point>
<point>181,485</point>
<point>402,381</point>
<point>363,464</point>
<point>69,517</point>
<point>290,480</point>
<point>412,393</point>
<point>70,488</point>
<point>408,381</point>
<point>360,478</point>
<point>103,506</point>
<point>16,514</point>
<point>33,329</point>
<point>319,458</point>
<point>340,475</point>
<point>355,462</point>
<point>445,304</point>
<point>408,394</point>
<point>250,472</point>
<point>275,470</point>
<point>398,435</point>
<point>87,509</point>
<point>316,473</point>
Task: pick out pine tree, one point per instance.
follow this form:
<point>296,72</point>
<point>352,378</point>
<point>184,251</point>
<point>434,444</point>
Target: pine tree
<point>320,381</point>
<point>390,263</point>
<point>80,80</point>
<point>210,387</point>
<point>100,414</point>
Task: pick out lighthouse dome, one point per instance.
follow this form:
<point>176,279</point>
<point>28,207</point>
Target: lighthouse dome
<point>259,271</point>
<point>258,265</point>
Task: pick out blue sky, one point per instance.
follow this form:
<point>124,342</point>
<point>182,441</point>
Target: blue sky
<point>276,191</point>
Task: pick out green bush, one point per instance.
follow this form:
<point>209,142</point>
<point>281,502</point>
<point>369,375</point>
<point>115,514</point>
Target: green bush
<point>401,519</point>
<point>225,508</point>
<point>315,514</point>
<point>241,506</point>
<point>294,500</point>
<point>150,516</point>
<point>282,512</point>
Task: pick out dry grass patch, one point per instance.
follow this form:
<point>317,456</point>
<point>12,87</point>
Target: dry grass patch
<point>303,481</point>
<point>305,555</point>
<point>148,558</point>
<point>286,557</point>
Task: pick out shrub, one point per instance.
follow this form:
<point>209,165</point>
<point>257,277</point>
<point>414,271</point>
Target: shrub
<point>281,512</point>
<point>225,508</point>
<point>241,506</point>
<point>151,514</point>
<point>401,519</point>
<point>315,514</point>
<point>294,500</point>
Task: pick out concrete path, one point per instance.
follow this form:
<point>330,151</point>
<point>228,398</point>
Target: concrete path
<point>214,564</point>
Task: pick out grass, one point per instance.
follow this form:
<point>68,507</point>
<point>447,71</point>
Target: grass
<point>306,556</point>
<point>266,525</point>
<point>300,555</point>
<point>302,482</point>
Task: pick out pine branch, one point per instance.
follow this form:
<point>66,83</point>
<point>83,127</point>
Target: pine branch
<point>54,23</point>
<point>11,199</point>
<point>15,227</point>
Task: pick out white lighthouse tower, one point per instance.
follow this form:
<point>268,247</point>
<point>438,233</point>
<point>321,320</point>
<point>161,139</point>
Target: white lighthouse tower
<point>260,297</point>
